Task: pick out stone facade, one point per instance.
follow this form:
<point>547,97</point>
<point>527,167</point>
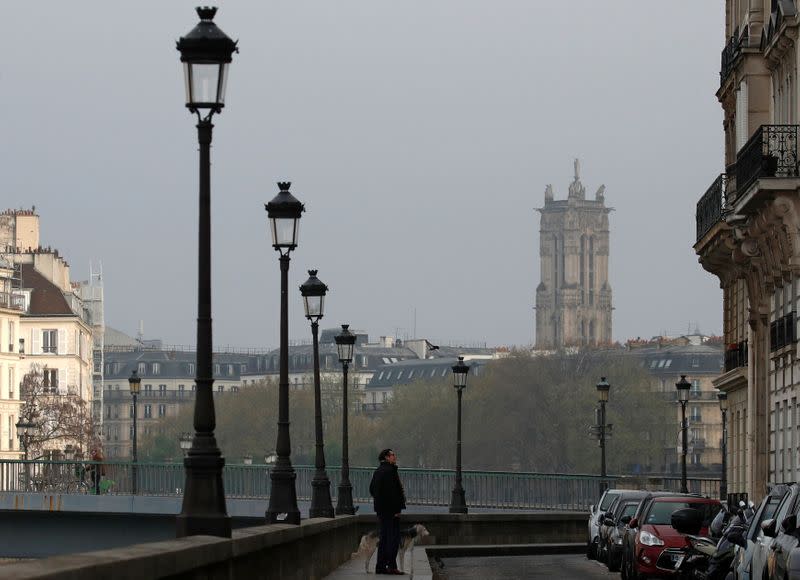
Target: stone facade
<point>748,236</point>
<point>573,299</point>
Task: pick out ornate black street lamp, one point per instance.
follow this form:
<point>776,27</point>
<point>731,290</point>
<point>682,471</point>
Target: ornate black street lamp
<point>723,482</point>
<point>135,383</point>
<point>344,344</point>
<point>313,291</point>
<point>284,213</point>
<point>185,441</point>
<point>458,503</point>
<point>683,387</point>
<point>603,389</point>
<point>206,53</point>
<point>25,431</point>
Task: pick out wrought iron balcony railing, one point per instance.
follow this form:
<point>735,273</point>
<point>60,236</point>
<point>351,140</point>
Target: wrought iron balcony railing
<point>730,54</point>
<point>709,208</point>
<point>770,152</point>
<point>783,332</point>
<point>736,356</point>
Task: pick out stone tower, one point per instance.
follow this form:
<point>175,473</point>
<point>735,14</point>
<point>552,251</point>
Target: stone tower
<point>573,299</point>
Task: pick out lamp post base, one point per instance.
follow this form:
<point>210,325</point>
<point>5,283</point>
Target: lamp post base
<point>321,505</point>
<point>204,512</point>
<point>458,503</point>
<point>344,503</point>
<point>283,498</point>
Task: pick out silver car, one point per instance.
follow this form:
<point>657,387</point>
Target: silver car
<point>595,511</point>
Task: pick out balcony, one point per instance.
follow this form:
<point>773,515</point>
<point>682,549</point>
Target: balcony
<point>730,55</point>
<point>782,332</point>
<point>736,356</point>
<point>709,208</point>
<point>12,301</point>
<point>770,152</point>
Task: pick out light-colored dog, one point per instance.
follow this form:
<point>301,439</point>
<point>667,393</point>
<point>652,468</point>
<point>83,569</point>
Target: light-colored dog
<point>409,538</point>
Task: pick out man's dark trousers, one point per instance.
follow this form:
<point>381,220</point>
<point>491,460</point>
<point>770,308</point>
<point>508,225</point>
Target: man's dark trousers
<point>389,543</point>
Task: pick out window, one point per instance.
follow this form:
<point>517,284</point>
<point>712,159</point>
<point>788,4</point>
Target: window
<point>221,388</point>
<point>389,376</point>
<point>230,370</point>
<point>10,336</point>
<point>148,390</point>
<point>433,372</point>
<point>11,382</point>
<point>148,411</point>
<point>156,368</point>
<point>364,360</point>
<point>50,380</point>
<point>190,368</point>
<point>380,376</point>
<point>194,388</point>
<point>444,372</point>
<point>661,363</point>
<point>399,375</point>
<point>142,369</point>
<point>162,410</point>
<point>411,374</point>
<point>668,363</point>
<point>216,369</point>
<point>242,369</point>
<point>162,390</point>
<point>50,341</point>
<point>130,410</point>
<point>234,389</point>
<point>181,390</point>
<point>695,385</point>
<point>695,413</point>
<point>695,361</point>
<point>653,364</point>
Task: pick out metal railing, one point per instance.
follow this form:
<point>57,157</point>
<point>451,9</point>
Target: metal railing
<point>12,300</point>
<point>736,356</point>
<point>429,487</point>
<point>729,56</point>
<point>770,152</point>
<point>782,332</point>
<point>710,206</point>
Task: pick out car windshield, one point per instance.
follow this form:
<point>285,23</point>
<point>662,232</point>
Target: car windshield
<point>661,511</point>
<point>608,500</point>
<point>628,510</point>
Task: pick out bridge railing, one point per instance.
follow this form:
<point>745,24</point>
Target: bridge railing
<point>433,487</point>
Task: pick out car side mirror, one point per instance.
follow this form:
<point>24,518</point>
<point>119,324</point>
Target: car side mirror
<point>591,508</point>
<point>789,524</point>
<point>634,523</point>
<point>768,527</point>
<point>625,519</point>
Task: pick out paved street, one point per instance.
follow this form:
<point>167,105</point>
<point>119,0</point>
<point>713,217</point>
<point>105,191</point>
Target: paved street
<point>564,567</point>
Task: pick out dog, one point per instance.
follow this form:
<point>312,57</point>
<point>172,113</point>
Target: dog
<point>409,538</point>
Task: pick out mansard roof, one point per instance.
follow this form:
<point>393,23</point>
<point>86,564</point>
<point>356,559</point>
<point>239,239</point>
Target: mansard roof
<point>47,299</point>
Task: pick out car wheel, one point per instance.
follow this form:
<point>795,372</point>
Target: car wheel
<point>613,563</point>
<point>589,550</point>
<point>624,567</point>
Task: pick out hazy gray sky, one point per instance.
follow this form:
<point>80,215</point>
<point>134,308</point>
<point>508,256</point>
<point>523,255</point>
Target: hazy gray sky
<point>419,134</point>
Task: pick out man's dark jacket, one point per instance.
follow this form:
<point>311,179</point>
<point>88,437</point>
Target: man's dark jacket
<point>387,490</point>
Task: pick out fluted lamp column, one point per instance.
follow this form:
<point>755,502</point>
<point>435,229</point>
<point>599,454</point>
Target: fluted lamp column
<point>345,342</point>
<point>458,502</point>
<point>206,53</point>
<point>313,292</point>
<point>283,211</point>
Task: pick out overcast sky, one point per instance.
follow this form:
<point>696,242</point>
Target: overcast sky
<point>420,135</point>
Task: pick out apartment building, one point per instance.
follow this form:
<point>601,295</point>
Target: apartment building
<point>747,236</point>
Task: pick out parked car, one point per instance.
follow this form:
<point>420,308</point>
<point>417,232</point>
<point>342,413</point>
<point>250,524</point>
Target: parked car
<point>595,511</point>
<point>629,534</point>
<point>613,534</point>
<point>657,545</point>
<point>608,520</point>
<point>783,554</point>
<point>743,568</point>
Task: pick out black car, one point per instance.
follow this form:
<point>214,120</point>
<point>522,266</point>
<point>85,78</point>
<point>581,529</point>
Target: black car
<point>783,557</point>
<point>614,535</point>
<point>608,520</point>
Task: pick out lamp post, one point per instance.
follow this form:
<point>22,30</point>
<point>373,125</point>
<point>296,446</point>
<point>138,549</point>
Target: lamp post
<point>723,482</point>
<point>25,431</point>
<point>185,441</point>
<point>135,383</point>
<point>284,211</point>
<point>344,344</point>
<point>458,503</point>
<point>313,292</point>
<point>683,387</point>
<point>206,53</point>
<point>603,389</point>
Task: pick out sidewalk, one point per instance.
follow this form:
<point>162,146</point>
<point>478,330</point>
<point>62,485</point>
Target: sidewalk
<point>355,568</point>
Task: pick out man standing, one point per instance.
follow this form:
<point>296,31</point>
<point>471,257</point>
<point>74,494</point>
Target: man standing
<point>390,500</point>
